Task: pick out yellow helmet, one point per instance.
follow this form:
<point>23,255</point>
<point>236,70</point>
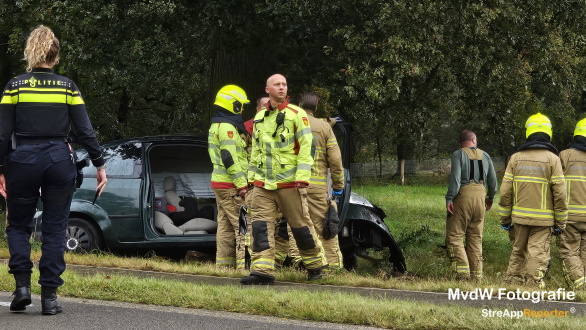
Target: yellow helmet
<point>231,98</point>
<point>538,123</point>
<point>580,128</point>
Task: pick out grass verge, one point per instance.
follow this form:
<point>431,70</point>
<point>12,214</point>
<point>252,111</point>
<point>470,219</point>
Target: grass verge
<point>415,216</point>
<point>294,304</point>
<point>342,278</point>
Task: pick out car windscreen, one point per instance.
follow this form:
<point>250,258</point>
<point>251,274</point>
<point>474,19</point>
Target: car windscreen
<point>122,161</point>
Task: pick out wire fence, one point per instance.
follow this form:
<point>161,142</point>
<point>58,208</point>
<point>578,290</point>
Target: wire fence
<point>429,167</point>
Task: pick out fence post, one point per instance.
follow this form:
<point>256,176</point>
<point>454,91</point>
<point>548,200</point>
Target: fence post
<point>402,172</point>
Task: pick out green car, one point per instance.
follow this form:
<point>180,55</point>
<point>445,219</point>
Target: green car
<point>143,171</point>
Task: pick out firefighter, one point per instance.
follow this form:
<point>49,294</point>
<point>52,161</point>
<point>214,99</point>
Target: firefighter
<point>326,154</point>
<point>280,170</point>
<point>285,245</point>
<point>228,154</point>
<point>533,196</point>
<point>36,110</point>
<point>261,103</point>
<point>466,200</point>
<point>572,242</point>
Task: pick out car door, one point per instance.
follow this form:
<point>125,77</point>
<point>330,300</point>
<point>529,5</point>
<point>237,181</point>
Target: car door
<point>188,162</point>
<point>342,131</point>
<point>121,196</point>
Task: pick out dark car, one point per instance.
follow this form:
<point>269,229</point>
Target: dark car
<point>142,170</point>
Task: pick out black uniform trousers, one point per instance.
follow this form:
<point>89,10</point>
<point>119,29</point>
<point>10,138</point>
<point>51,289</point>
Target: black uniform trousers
<point>47,166</point>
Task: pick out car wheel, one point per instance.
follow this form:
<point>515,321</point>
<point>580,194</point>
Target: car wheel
<point>82,236</point>
<point>350,260</point>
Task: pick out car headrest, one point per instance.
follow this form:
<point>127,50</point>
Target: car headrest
<point>169,184</point>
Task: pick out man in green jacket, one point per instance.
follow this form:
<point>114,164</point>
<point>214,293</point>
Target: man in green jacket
<point>466,201</point>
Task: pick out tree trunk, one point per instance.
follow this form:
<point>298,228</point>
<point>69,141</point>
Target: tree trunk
<point>245,68</point>
<point>380,161</point>
<point>123,110</point>
<point>406,151</point>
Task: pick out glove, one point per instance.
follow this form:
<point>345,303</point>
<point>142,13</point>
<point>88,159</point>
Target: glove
<point>506,227</point>
<point>557,231</point>
<point>337,192</point>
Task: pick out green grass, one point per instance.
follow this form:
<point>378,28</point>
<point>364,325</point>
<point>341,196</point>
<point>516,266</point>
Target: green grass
<point>416,216</point>
<point>294,304</point>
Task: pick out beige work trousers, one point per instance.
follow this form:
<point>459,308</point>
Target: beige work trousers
<point>292,203</point>
<point>230,244</point>
<point>530,255</point>
<point>466,222</point>
<point>572,247</point>
<point>318,206</point>
<point>285,244</point>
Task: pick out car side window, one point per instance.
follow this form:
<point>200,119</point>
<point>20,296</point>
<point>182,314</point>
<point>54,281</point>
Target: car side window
<point>123,161</point>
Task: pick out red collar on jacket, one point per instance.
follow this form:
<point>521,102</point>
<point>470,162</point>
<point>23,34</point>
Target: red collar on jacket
<point>281,106</point>
<point>248,125</point>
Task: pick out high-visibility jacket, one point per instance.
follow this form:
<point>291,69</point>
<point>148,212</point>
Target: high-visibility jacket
<point>533,191</point>
<point>574,167</point>
<point>228,154</point>
<point>284,159</point>
<point>326,154</point>
<point>39,105</point>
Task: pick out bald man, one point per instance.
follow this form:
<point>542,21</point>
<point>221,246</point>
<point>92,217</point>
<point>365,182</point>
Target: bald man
<point>280,169</point>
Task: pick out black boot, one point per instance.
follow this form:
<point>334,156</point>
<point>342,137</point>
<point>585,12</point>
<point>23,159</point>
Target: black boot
<point>314,274</point>
<point>22,294</point>
<point>257,279</point>
<point>49,302</point>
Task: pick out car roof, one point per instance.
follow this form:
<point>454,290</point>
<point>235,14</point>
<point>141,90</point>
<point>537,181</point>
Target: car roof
<point>160,138</point>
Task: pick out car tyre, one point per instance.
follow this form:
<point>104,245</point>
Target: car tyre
<point>82,236</point>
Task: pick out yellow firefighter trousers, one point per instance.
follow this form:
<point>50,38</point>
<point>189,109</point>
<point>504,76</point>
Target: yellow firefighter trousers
<point>531,245</point>
<point>572,247</point>
<point>466,222</point>
<point>265,208</point>
<point>318,206</point>
<point>285,244</point>
<point>230,244</point>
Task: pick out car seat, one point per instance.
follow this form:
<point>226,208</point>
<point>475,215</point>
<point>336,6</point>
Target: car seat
<point>192,227</point>
<point>170,186</point>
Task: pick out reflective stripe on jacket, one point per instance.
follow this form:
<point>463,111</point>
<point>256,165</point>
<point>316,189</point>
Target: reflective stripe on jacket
<point>281,160</point>
<point>228,154</point>
<point>326,154</point>
<point>533,191</point>
<point>41,104</point>
<point>574,166</point>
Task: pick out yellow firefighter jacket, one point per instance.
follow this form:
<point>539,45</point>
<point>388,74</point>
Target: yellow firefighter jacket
<point>533,191</point>
<point>228,154</point>
<point>281,153</point>
<point>326,154</point>
<point>574,166</point>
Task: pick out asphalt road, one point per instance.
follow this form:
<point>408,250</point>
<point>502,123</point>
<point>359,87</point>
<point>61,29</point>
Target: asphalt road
<point>94,314</point>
